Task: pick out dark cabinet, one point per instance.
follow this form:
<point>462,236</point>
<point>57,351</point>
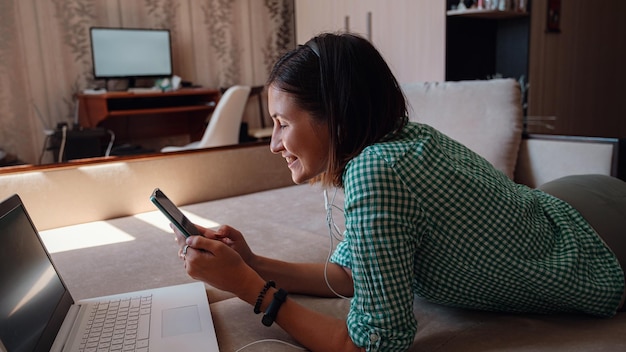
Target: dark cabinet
<point>483,43</point>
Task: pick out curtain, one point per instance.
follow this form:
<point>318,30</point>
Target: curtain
<point>45,53</point>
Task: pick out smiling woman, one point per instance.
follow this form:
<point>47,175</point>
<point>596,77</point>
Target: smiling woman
<point>425,216</point>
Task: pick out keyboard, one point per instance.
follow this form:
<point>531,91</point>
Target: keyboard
<point>118,325</point>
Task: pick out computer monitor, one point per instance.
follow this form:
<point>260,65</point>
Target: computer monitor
<point>130,53</point>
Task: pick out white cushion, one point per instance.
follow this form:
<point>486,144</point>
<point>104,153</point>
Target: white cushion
<point>486,116</point>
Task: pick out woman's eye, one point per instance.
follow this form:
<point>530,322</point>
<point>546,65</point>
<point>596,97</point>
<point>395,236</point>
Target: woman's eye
<point>280,124</point>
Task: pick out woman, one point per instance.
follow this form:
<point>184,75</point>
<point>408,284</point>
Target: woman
<point>424,215</point>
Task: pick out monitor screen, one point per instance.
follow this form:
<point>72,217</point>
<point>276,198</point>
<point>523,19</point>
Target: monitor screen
<point>130,52</point>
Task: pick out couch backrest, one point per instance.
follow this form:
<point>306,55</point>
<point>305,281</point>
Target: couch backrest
<point>486,116</point>
<point>78,193</point>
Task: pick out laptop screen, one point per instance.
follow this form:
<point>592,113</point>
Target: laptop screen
<point>34,299</point>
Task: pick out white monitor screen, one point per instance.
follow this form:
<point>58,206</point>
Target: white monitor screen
<point>123,52</point>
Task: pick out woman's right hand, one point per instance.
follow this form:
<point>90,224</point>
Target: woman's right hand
<point>209,259</point>
<point>225,234</point>
<point>232,238</point>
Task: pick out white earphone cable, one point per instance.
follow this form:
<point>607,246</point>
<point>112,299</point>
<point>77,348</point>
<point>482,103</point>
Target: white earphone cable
<point>271,340</point>
<point>334,234</point>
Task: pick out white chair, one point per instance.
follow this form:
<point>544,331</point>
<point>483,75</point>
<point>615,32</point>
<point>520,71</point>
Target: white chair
<point>224,125</point>
<point>262,132</point>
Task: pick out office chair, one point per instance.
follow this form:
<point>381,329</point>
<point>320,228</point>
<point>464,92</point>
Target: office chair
<point>223,127</point>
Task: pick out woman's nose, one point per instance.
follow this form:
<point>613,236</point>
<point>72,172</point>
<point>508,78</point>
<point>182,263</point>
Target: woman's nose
<point>276,144</point>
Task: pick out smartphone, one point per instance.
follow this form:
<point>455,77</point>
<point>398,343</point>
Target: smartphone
<point>171,211</point>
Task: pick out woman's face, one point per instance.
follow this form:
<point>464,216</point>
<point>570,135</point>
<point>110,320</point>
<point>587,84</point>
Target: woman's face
<point>302,141</point>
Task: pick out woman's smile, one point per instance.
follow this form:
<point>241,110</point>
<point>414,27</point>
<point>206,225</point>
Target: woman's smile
<point>290,160</point>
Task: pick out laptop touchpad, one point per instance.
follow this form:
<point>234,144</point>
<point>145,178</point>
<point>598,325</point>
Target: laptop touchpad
<point>181,321</point>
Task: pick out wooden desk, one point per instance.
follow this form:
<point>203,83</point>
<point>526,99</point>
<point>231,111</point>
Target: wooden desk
<point>134,115</point>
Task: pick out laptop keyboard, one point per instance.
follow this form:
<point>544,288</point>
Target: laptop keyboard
<point>118,325</point>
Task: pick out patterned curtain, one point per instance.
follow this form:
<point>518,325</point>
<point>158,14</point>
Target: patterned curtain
<point>45,53</point>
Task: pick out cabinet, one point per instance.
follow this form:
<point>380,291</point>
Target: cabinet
<point>132,115</point>
<point>409,34</point>
<point>483,43</point>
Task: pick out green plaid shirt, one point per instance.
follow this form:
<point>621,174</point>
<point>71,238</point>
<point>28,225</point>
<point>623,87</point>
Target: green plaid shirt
<point>426,216</point>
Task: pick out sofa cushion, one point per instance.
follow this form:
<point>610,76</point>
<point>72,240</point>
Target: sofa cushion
<point>486,116</point>
<point>439,329</point>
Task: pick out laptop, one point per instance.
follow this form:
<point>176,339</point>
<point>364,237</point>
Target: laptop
<point>38,313</point>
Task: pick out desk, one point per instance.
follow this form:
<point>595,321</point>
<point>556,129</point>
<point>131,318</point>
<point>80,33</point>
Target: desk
<point>134,115</point>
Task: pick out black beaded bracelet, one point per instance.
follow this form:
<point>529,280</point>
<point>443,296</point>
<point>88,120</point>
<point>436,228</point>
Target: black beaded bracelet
<point>259,299</point>
<point>272,310</point>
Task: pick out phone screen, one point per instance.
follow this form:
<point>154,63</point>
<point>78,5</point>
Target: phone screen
<point>174,214</point>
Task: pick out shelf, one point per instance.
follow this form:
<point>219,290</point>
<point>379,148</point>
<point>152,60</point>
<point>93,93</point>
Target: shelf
<point>156,93</point>
<point>179,109</point>
<point>487,14</point>
<point>481,43</point>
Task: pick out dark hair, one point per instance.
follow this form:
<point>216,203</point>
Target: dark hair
<point>341,79</point>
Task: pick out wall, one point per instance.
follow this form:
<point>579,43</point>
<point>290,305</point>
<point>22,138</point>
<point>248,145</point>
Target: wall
<point>578,74</point>
<point>410,35</point>
<point>45,56</point>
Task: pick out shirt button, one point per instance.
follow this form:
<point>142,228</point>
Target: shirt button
<point>374,337</point>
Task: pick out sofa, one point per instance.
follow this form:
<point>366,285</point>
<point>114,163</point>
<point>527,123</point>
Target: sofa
<point>106,237</point>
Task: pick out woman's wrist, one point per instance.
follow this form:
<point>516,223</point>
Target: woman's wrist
<point>253,261</point>
<point>271,312</point>
<point>261,296</point>
<point>247,285</point>
<point>264,267</point>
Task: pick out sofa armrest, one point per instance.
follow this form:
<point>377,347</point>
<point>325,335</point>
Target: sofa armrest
<point>543,158</point>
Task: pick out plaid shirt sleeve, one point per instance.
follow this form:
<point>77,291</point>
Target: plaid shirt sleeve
<point>379,247</point>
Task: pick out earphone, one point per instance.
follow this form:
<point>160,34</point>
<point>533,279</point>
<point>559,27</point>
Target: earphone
<point>334,234</point>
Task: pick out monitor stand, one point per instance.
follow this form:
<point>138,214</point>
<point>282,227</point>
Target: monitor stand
<point>132,87</point>
<point>131,83</point>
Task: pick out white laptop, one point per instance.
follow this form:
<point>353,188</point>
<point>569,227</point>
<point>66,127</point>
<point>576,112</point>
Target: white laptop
<point>37,312</point>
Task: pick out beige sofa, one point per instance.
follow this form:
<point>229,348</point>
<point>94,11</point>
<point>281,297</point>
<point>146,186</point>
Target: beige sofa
<point>105,236</point>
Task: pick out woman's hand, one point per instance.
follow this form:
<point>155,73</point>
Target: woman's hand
<point>225,234</point>
<point>214,262</point>
<point>235,240</point>
<point>219,257</point>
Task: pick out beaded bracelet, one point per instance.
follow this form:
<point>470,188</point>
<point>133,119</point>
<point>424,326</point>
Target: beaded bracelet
<point>259,299</point>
